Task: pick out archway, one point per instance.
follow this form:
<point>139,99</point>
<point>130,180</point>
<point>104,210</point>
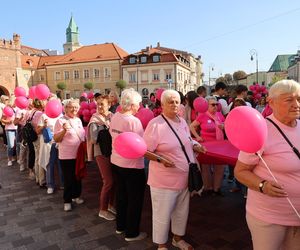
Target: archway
<point>3,91</point>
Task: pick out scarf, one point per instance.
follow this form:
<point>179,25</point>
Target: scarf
<point>216,119</point>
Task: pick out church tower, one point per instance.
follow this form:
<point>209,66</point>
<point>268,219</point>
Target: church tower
<point>72,37</point>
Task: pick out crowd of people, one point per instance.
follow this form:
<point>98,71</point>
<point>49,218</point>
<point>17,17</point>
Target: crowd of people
<point>173,138</point>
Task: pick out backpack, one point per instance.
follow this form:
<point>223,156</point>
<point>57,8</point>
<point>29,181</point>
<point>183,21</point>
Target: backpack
<point>28,132</point>
<point>105,141</point>
<point>47,135</point>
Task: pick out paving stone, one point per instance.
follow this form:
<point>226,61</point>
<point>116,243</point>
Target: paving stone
<point>112,242</point>
<point>43,209</point>
<point>71,217</point>
<point>23,241</point>
<point>27,222</point>
<point>77,233</point>
<point>50,228</point>
<point>52,247</point>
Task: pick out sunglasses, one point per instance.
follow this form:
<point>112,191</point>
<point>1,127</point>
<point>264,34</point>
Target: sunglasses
<point>214,104</point>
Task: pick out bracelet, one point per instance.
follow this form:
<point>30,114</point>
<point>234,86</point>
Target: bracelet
<point>158,159</point>
<point>261,186</point>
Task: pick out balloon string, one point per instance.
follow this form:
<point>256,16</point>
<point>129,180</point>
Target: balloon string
<point>288,199</point>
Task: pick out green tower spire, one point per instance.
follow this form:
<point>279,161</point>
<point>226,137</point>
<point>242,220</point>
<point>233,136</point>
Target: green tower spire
<point>72,32</point>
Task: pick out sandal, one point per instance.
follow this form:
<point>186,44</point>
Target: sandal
<point>183,245</point>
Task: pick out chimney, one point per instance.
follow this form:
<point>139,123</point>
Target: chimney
<point>158,44</point>
<point>147,48</point>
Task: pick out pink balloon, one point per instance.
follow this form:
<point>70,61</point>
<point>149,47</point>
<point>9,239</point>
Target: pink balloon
<point>119,108</point>
<point>92,105</point>
<point>265,91</point>
<point>8,111</point>
<point>53,108</point>
<point>93,111</point>
<point>145,116</point>
<point>263,88</point>
<point>159,93</point>
<point>200,104</point>
<point>252,87</point>
<point>246,129</point>
<point>22,102</point>
<point>90,95</point>
<point>32,92</point>
<point>257,96</point>
<point>19,91</point>
<point>130,145</point>
<point>79,112</point>
<point>42,92</point>
<point>86,112</point>
<point>84,95</point>
<point>86,118</point>
<point>84,105</point>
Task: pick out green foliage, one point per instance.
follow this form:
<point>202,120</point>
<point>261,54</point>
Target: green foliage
<point>221,79</point>
<point>121,84</point>
<point>239,75</point>
<point>89,85</point>
<point>61,85</point>
<point>228,79</point>
<point>275,79</point>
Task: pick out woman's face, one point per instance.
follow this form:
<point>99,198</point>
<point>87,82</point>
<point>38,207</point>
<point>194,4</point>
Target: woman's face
<point>212,106</point>
<point>72,110</point>
<point>171,106</point>
<point>102,106</point>
<point>286,106</point>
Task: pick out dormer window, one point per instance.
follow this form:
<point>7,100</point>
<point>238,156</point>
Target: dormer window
<point>156,58</point>
<point>143,59</point>
<point>132,60</point>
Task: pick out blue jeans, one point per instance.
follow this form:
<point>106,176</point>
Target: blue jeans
<point>11,142</point>
<point>50,168</point>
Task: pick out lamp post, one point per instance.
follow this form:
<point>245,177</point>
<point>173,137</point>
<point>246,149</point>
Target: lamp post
<point>252,53</point>
<point>210,68</point>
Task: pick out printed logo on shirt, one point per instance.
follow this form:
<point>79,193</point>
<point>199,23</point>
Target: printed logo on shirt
<point>209,121</point>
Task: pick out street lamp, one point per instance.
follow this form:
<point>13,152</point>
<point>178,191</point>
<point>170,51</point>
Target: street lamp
<point>210,68</point>
<point>252,53</point>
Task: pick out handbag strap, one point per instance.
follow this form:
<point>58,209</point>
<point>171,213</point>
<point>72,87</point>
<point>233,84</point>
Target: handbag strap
<point>296,151</point>
<point>181,144</point>
<point>66,118</point>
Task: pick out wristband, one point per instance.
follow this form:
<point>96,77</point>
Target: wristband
<point>261,186</point>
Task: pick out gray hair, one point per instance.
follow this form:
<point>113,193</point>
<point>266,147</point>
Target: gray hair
<point>167,94</point>
<point>210,97</point>
<point>129,97</point>
<point>284,87</point>
<point>72,102</point>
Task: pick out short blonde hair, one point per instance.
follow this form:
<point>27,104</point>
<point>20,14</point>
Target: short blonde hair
<point>72,102</point>
<point>167,94</point>
<point>129,97</point>
<point>284,87</point>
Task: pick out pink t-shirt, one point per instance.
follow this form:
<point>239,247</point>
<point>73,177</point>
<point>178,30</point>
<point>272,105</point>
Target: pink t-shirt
<point>68,147</point>
<point>285,166</point>
<point>208,125</point>
<point>21,113</point>
<point>11,126</point>
<point>125,123</point>
<point>161,140</point>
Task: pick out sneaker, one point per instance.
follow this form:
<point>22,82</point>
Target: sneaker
<point>119,231</point>
<point>22,168</point>
<point>31,176</point>
<point>67,207</point>
<point>19,162</point>
<point>183,245</point>
<point>50,191</point>
<point>141,236</point>
<point>9,163</point>
<point>112,210</point>
<point>106,215</point>
<point>218,193</point>
<point>78,201</point>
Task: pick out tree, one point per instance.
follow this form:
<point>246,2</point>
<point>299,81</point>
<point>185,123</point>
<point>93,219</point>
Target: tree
<point>228,79</point>
<point>88,85</point>
<point>61,86</point>
<point>121,84</point>
<point>239,75</point>
<point>275,79</point>
<point>221,79</point>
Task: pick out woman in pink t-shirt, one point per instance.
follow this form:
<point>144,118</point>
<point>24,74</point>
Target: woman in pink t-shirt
<point>272,220</point>
<point>168,183</point>
<point>69,133</point>
<point>211,124</point>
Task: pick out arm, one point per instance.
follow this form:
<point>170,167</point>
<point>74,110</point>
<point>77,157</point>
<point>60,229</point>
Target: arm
<point>6,121</point>
<point>58,137</point>
<point>193,128</point>
<point>155,157</point>
<point>244,173</point>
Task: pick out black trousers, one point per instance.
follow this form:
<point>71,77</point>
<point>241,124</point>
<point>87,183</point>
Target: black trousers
<point>72,187</point>
<point>129,199</point>
<point>31,155</point>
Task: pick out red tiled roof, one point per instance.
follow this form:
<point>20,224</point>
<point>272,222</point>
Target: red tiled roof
<point>29,62</point>
<point>26,50</point>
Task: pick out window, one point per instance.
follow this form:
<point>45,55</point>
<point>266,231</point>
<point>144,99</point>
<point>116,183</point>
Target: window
<point>156,58</point>
<point>143,59</point>
<point>76,74</point>
<point>107,72</point>
<point>132,77</point>
<point>77,93</point>
<point>155,77</point>
<point>57,75</point>
<point>132,60</point>
<point>144,76</point>
<point>168,76</point>
<point>67,75</point>
<point>42,77</point>
<point>96,73</point>
<point>86,73</point>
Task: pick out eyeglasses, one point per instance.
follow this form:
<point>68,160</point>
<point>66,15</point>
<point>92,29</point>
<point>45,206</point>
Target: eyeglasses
<point>214,104</point>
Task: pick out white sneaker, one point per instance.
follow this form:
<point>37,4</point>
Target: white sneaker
<point>9,163</point>
<point>141,236</point>
<point>67,207</point>
<point>78,201</point>
<point>112,210</point>
<point>106,215</point>
<point>50,191</point>
<point>22,168</point>
<point>19,162</point>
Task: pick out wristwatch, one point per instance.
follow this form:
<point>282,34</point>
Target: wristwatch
<point>158,159</point>
<point>261,186</point>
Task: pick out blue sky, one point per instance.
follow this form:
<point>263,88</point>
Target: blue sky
<point>222,32</point>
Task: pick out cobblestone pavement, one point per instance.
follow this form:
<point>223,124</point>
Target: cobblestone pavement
<point>31,219</point>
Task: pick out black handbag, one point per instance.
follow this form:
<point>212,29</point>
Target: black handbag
<point>195,182</point>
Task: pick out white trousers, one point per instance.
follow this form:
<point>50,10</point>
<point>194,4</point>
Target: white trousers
<point>267,236</point>
<point>169,206</point>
